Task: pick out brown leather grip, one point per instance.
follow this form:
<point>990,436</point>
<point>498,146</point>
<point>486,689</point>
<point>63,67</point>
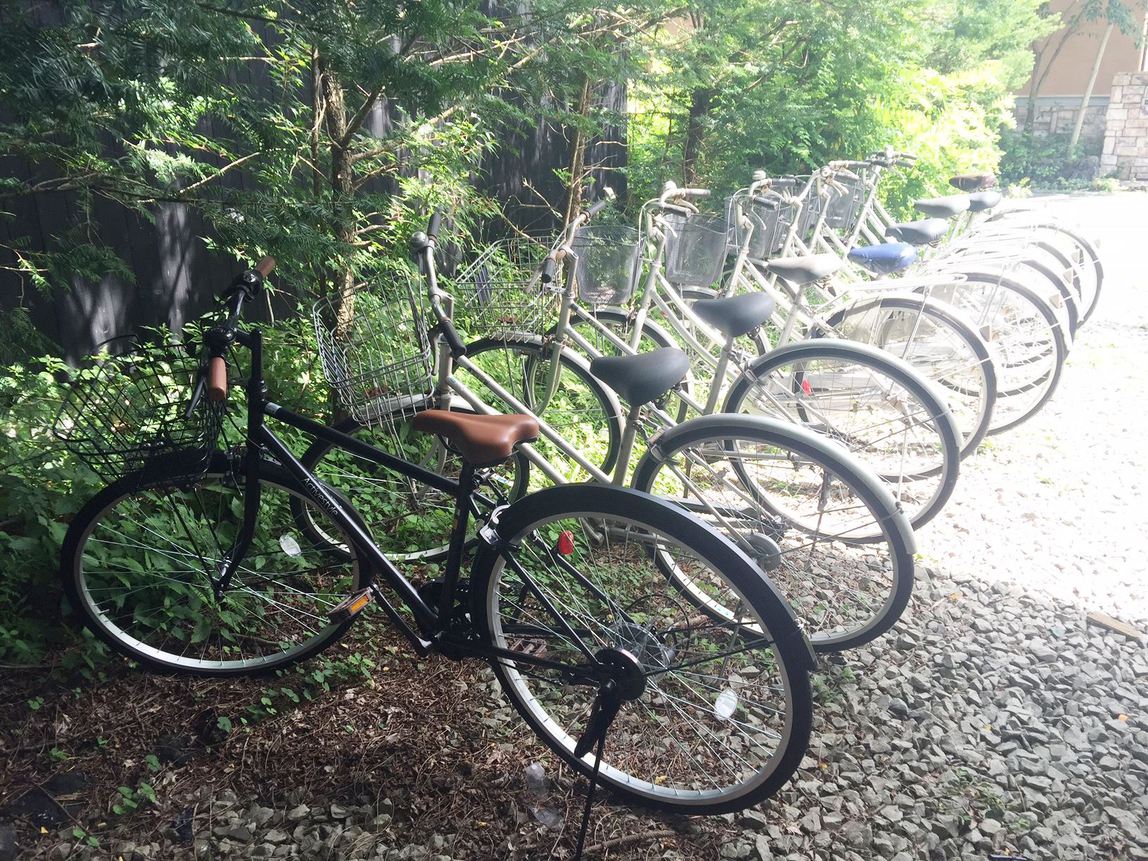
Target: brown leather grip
<point>217,378</point>
<point>264,266</point>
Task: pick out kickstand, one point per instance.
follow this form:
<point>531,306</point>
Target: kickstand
<point>602,714</point>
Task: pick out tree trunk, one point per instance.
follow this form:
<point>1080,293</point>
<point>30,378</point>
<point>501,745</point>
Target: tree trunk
<point>701,100</point>
<point>342,182</point>
<point>1088,90</point>
<point>578,154</point>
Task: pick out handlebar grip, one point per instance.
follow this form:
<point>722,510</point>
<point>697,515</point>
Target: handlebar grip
<point>548,267</point>
<point>597,207</point>
<point>693,192</point>
<point>432,227</point>
<point>265,266</point>
<point>453,340</point>
<point>217,379</point>
<point>767,202</point>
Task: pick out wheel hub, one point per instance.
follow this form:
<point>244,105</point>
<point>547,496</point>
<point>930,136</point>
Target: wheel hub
<point>625,670</point>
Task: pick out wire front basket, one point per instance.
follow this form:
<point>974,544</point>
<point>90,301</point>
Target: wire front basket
<point>605,263</point>
<point>845,203</point>
<point>695,249</point>
<point>768,218</point>
<point>376,351</point>
<point>129,410</point>
<point>501,294</point>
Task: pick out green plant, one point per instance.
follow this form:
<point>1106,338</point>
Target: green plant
<point>129,798</point>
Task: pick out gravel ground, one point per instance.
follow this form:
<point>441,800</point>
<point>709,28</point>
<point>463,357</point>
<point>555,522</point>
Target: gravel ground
<point>995,718</point>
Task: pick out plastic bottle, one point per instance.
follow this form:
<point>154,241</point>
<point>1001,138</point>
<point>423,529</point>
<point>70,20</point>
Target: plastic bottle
<point>538,790</point>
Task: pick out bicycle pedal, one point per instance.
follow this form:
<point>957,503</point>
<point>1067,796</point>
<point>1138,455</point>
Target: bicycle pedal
<point>350,607</point>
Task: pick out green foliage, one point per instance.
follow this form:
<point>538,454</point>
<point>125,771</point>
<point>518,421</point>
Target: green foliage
<point>1044,161</point>
<point>787,86</point>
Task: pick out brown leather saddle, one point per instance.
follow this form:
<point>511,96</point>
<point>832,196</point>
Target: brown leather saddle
<point>481,440</point>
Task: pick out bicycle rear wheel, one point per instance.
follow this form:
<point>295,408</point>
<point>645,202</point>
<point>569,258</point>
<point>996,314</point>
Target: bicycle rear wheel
<point>826,531</point>
<point>721,712</point>
<point>582,409</point>
<point>139,561</point>
<point>938,343</point>
<point>1028,343</point>
<point>873,403</point>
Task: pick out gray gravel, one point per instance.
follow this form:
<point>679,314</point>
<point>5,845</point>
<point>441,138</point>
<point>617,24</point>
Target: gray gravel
<point>995,718</point>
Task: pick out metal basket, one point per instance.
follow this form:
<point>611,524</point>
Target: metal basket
<point>695,249</point>
<point>376,351</point>
<point>501,294</point>
<point>606,263</point>
<point>844,205</point>
<point>129,410</point>
<point>769,222</point>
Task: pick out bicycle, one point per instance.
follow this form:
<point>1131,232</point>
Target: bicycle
<point>571,594</point>
<point>862,397</point>
<point>828,533</point>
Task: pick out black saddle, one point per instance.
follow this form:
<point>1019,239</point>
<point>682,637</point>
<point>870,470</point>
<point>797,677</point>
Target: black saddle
<point>983,200</point>
<point>973,181</point>
<point>918,232</point>
<point>735,316</point>
<point>800,271</point>
<point>944,207</point>
<point>644,377</point>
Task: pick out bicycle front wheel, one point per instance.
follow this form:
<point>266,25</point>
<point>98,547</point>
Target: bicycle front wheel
<point>141,561</point>
<point>720,707</point>
<point>873,403</point>
<point>825,530</point>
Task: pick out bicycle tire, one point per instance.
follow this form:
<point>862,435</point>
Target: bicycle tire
<point>406,512</point>
<point>804,509</point>
<point>190,608</point>
<point>970,396</point>
<point>895,396</point>
<point>1029,350</point>
<point>1090,258</point>
<point>615,593</point>
<point>596,408</point>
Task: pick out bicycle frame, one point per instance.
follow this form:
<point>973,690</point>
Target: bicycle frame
<point>436,629</point>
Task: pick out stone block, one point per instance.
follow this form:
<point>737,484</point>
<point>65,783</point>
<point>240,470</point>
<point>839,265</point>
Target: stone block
<point>1121,78</point>
<point>1109,146</point>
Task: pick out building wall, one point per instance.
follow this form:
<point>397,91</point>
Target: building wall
<point>1125,152</point>
<point>1068,75</point>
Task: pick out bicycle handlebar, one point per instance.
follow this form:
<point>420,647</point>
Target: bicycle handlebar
<point>548,267</point>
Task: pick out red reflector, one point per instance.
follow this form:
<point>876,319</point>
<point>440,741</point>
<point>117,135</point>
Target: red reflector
<point>805,387</point>
<point>565,542</point>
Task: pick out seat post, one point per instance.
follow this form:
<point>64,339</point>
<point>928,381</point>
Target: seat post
<point>719,375</point>
<point>466,488</point>
<point>629,432</point>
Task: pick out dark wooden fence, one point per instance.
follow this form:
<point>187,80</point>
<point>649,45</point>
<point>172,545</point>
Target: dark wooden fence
<point>176,274</point>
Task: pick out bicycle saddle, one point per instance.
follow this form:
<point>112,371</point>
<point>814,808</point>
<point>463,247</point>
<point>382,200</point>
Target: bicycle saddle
<point>644,377</point>
<point>983,200</point>
<point>884,258</point>
<point>923,232</point>
<point>973,181</point>
<point>803,270</point>
<point>735,316</point>
<point>944,207</point>
<point>481,440</point>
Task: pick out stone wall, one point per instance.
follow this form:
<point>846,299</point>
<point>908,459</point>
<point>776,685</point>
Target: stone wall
<point>1056,115</point>
<point>1125,152</point>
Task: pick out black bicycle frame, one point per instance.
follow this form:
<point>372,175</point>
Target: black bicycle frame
<point>434,623</point>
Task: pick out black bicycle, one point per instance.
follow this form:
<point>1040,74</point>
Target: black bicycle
<point>192,561</point>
